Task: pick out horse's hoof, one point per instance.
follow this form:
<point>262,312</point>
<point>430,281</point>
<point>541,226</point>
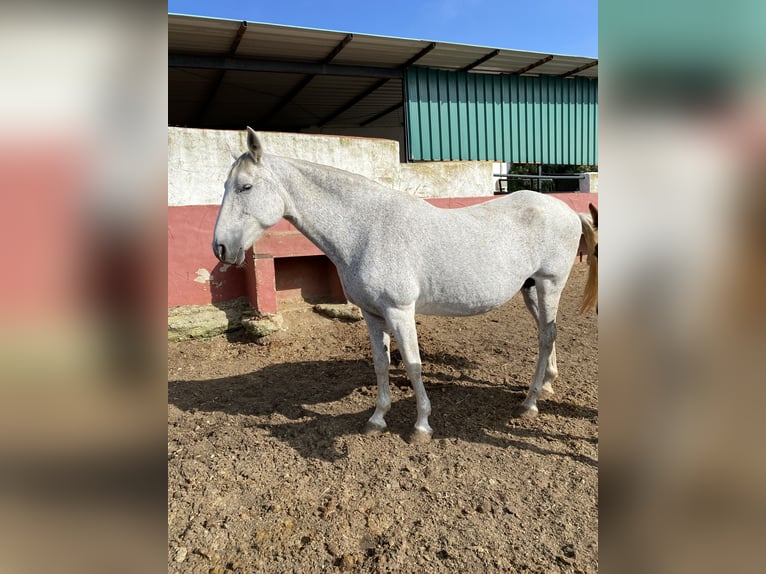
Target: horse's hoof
<point>371,429</point>
<point>524,412</point>
<point>419,436</point>
<point>546,392</point>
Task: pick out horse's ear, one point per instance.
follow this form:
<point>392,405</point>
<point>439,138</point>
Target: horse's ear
<point>594,214</point>
<point>254,145</point>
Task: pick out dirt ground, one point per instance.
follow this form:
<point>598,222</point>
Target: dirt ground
<point>268,471</point>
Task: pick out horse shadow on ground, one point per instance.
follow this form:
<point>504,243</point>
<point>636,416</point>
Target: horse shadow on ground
<point>478,411</point>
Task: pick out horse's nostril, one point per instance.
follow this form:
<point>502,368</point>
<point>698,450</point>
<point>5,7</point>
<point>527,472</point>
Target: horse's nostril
<point>221,252</point>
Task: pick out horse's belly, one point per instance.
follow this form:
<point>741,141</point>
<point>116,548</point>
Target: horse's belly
<point>453,310</point>
<point>454,287</point>
<point>440,285</point>
<point>462,304</point>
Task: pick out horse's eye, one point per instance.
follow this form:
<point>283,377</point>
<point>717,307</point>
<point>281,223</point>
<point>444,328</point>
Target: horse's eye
<point>247,186</point>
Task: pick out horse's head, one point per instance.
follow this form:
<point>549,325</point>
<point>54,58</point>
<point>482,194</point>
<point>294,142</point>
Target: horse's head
<point>252,202</point>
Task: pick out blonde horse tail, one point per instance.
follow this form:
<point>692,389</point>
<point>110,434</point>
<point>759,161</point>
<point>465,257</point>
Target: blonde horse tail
<point>590,233</point>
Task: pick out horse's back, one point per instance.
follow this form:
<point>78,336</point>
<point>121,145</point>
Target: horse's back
<point>525,227</point>
<point>529,208</point>
<point>539,225</point>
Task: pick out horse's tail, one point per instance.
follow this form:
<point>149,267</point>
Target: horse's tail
<point>590,232</point>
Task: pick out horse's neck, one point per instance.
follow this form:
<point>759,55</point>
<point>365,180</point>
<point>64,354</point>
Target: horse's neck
<point>326,205</point>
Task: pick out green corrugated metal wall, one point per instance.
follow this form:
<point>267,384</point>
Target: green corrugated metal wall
<point>519,119</point>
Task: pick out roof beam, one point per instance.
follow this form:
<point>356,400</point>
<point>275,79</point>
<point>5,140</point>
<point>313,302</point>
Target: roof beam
<point>337,49</point>
<point>249,65</point>
<point>579,69</point>
<point>381,114</point>
<point>238,38</point>
<point>359,97</point>
<point>216,85</point>
<point>418,56</point>
<point>533,65</point>
<point>480,61</point>
<point>300,86</point>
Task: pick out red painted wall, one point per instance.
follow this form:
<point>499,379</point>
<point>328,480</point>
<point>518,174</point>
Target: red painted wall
<point>190,256</point>
<point>301,269</point>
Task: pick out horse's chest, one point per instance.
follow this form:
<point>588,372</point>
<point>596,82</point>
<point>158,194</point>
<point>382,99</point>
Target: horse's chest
<point>373,285</point>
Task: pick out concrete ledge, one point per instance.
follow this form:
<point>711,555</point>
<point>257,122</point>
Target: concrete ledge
<point>589,184</point>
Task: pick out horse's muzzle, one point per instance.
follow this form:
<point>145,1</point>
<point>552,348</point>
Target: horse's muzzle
<point>229,256</point>
<point>220,251</point>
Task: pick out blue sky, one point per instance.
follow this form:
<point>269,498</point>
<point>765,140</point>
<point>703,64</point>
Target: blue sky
<point>553,26</point>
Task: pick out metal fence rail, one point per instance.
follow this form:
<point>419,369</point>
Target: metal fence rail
<point>508,176</point>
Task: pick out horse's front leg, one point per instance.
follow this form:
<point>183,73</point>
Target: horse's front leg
<point>381,346</point>
<point>402,324</point>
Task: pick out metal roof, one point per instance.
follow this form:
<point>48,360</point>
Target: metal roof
<point>227,73</point>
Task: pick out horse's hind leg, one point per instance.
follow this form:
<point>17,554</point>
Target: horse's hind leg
<point>548,295</point>
<point>381,347</point>
<point>402,325</point>
<point>529,292</point>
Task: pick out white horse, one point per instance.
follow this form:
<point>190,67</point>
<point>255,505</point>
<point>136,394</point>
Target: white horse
<point>397,255</point>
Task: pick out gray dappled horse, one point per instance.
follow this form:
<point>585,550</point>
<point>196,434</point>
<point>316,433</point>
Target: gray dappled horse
<point>397,255</point>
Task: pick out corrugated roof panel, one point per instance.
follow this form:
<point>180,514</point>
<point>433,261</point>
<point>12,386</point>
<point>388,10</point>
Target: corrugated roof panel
<point>260,93</point>
<point>186,91</point>
<point>452,56</point>
<point>380,52</point>
<point>292,45</point>
<point>325,96</point>
<point>288,43</point>
<point>372,105</point>
<point>558,66</point>
<point>188,35</point>
<point>215,97</point>
<point>508,62</point>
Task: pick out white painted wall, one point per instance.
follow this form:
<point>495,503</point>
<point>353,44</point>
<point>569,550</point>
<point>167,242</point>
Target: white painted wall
<point>386,133</point>
<point>590,183</point>
<point>199,160</point>
<point>447,178</point>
